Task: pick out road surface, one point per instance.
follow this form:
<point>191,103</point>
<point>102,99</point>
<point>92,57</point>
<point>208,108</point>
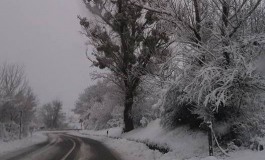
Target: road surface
<point>61,146</point>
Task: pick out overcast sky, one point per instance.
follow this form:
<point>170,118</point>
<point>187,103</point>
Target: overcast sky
<point>43,36</point>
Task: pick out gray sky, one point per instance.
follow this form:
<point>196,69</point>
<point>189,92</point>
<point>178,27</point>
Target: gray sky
<point>43,36</point>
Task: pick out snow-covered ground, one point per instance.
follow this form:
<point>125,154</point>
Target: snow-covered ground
<point>247,155</point>
<point>36,138</point>
<point>185,144</point>
<point>130,150</point>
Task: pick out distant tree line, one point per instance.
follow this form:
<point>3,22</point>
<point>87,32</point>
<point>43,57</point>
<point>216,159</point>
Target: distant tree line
<point>19,111</point>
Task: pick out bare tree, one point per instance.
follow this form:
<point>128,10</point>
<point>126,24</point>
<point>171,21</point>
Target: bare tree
<point>13,83</point>
<point>12,79</point>
<point>52,115</point>
<point>17,101</point>
<point>97,102</point>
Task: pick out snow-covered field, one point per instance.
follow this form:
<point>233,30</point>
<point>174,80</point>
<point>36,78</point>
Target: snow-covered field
<point>36,138</point>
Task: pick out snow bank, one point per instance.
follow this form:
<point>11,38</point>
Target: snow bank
<point>210,158</point>
<point>247,155</point>
<point>183,142</point>
<point>113,132</point>
<point>130,150</point>
<point>36,138</point>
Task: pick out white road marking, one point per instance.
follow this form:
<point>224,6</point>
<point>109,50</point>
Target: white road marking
<point>39,153</point>
<point>70,150</point>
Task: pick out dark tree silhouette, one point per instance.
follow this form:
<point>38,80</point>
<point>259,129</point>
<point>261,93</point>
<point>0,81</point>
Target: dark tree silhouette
<point>127,39</point>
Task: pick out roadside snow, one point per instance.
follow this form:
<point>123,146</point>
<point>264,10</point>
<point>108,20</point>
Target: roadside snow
<point>183,142</point>
<point>129,150</point>
<point>113,132</point>
<point>210,158</point>
<point>242,155</point>
<point>247,155</point>
<point>36,138</point>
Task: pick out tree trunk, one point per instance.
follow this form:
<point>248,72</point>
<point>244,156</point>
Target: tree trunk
<point>20,125</point>
<point>128,120</point>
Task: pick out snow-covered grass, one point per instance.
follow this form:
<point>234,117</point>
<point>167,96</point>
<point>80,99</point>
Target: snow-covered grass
<point>130,150</point>
<point>247,155</point>
<point>10,146</point>
<point>113,132</point>
<point>183,142</point>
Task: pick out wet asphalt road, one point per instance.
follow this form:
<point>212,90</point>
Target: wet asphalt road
<point>64,147</point>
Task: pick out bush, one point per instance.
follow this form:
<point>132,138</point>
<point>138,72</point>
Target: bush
<point>237,121</point>
<point>241,124</point>
<point>177,112</point>
<point>3,133</point>
<point>143,108</point>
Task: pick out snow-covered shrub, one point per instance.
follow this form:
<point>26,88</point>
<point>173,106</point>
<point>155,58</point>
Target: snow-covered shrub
<point>162,147</point>
<point>147,102</point>
<point>249,122</point>
<point>144,122</point>
<point>257,144</point>
<point>11,130</point>
<point>230,92</point>
<point>3,133</point>
<point>142,110</point>
<point>177,112</point>
<point>100,114</point>
<point>117,117</point>
<point>223,86</point>
<point>221,128</point>
<point>100,106</point>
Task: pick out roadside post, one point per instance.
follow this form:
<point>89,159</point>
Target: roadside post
<point>81,123</point>
<point>20,125</point>
<point>210,137</point>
